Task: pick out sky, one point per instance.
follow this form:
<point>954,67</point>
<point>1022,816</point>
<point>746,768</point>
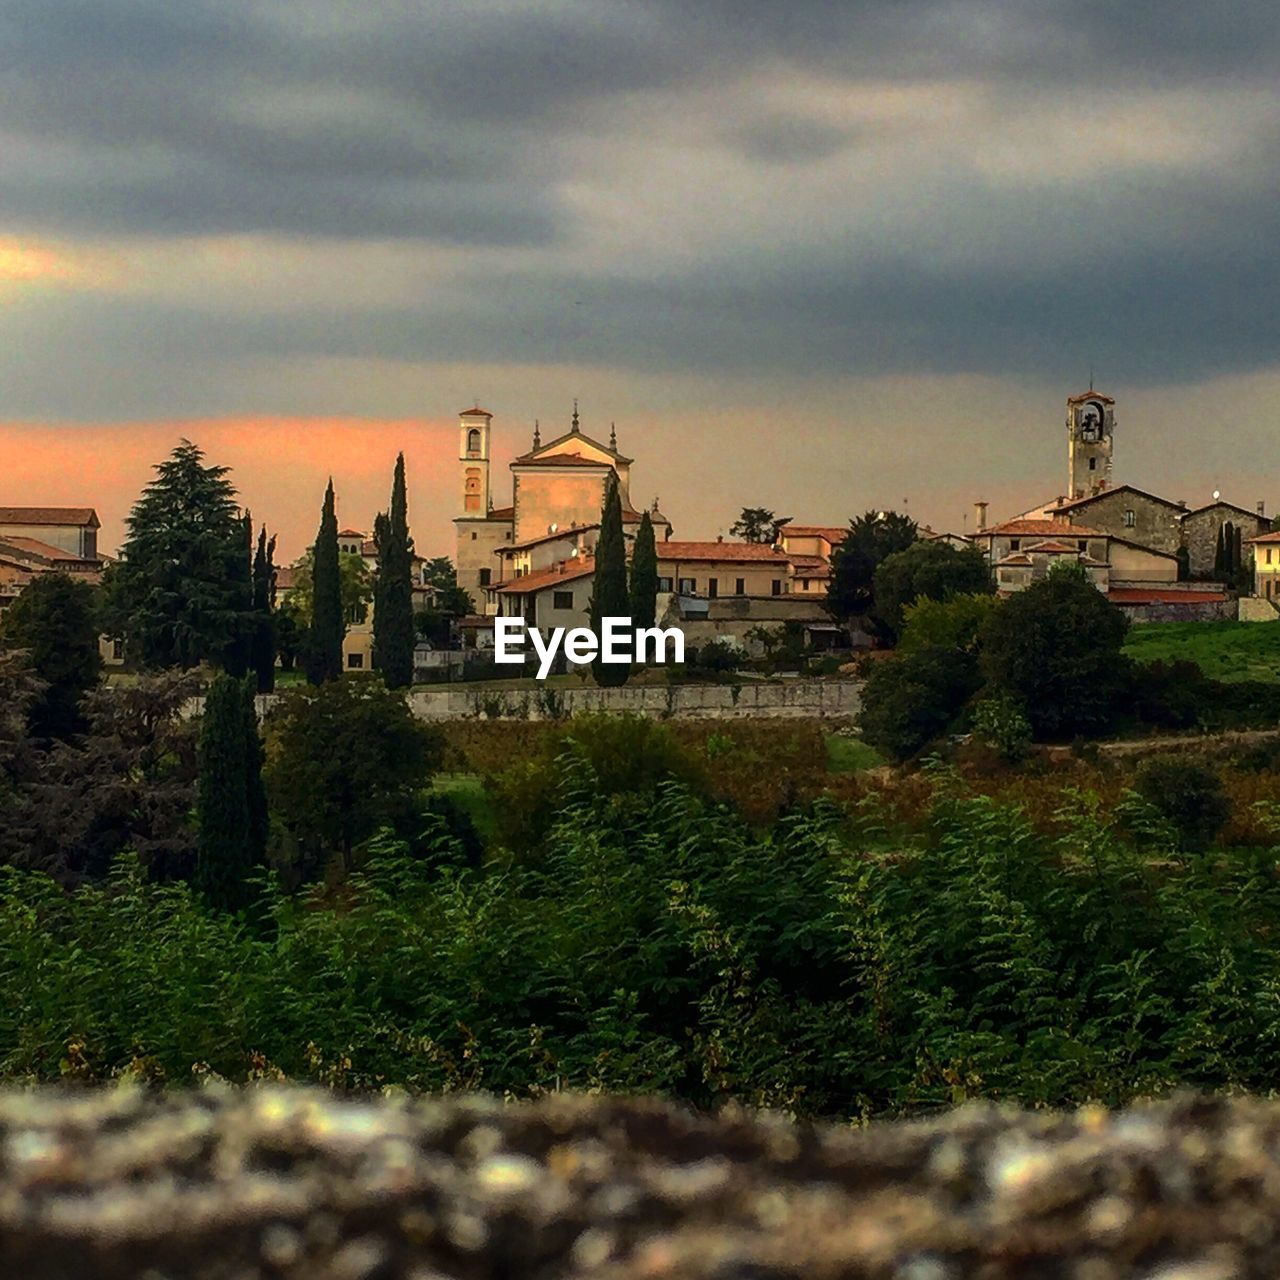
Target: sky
<point>813,256</point>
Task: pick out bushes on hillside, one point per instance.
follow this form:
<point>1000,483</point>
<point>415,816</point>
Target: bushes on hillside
<point>1190,797</point>
<point>912,698</point>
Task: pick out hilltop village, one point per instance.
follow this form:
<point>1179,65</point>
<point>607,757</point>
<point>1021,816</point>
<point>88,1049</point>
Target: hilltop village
<point>529,550</point>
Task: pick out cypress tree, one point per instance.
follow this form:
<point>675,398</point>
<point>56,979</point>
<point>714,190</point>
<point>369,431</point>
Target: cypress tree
<point>1220,555</point>
<point>644,576</point>
<point>264,601</point>
<point>609,588</point>
<point>224,850</point>
<point>238,655</point>
<point>324,645</point>
<point>255,788</point>
<point>393,632</point>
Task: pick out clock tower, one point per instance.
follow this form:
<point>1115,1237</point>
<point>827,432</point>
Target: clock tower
<point>473,454</point>
<point>1091,421</point>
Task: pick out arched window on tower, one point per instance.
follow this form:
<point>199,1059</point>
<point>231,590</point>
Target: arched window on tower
<point>473,442</point>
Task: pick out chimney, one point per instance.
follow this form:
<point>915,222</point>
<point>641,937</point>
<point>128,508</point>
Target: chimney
<point>980,515</point>
<point>719,537</point>
<point>1262,510</point>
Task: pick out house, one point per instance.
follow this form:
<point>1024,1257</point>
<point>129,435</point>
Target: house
<point>810,548</point>
<point>1266,579</point>
<point>73,530</point>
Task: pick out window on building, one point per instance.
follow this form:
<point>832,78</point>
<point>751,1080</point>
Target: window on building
<point>1015,544</point>
<point>713,587</point>
<point>740,586</point>
<point>664,584</point>
<point>473,443</point>
<point>473,535</point>
<point>562,599</point>
<point>486,577</point>
<point>1082,545</point>
<point>1093,464</point>
<point>688,586</point>
<point>355,661</point>
<point>117,646</point>
<point>1268,555</point>
<point>777,586</point>
<point>1130,518</point>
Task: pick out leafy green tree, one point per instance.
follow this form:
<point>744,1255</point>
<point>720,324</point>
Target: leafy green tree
<point>355,589</point>
<point>1190,797</point>
<point>1056,647</point>
<point>229,812</point>
<point>290,634</point>
<point>393,628</point>
<point>450,602</point>
<point>1001,722</point>
<point>264,603</point>
<point>343,760</point>
<point>927,570</point>
<point>872,538</point>
<point>177,595</point>
<point>55,621</point>
<point>946,624</point>
<point>324,644</point>
<point>609,587</point>
<point>757,524</point>
<point>644,576</point>
<point>911,699</point>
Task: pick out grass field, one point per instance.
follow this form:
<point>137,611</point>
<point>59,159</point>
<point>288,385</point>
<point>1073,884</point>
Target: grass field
<point>1222,650</point>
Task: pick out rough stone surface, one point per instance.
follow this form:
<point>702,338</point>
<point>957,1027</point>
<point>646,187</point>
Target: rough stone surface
<point>295,1185</point>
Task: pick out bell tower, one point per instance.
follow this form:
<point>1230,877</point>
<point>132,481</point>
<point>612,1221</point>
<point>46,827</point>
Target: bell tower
<point>1091,422</point>
<point>473,457</point>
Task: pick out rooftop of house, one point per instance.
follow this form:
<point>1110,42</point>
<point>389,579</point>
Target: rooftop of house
<point>565,571</point>
<point>44,550</point>
<point>1272,538</point>
<point>66,517</point>
<point>1043,528</point>
<point>561,460</point>
<point>1155,595</point>
<point>723,552</point>
<point>832,533</point>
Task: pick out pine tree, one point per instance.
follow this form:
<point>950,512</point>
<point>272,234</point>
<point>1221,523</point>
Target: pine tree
<point>174,596</point>
<point>238,654</point>
<point>609,587</point>
<point>264,601</point>
<point>324,645</point>
<point>644,576</point>
<point>393,630</point>
<point>225,846</point>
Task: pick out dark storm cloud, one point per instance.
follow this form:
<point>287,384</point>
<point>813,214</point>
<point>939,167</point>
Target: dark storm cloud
<point>457,123</point>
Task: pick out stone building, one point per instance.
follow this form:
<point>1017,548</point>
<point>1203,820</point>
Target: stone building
<point>1091,422</point>
<point>1201,527</point>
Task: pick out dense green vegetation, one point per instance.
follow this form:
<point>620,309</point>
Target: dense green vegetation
<point>1227,651</point>
<point>837,962</point>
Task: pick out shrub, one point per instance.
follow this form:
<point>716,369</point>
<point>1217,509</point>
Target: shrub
<point>946,624</point>
<point>1189,796</point>
<point>719,655</point>
<point>927,570</point>
<point>1001,722</point>
<point>910,699</point>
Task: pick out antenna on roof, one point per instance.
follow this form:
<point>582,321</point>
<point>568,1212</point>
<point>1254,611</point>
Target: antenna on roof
<point>1090,375</point>
<point>574,426</point>
<point>537,434</point>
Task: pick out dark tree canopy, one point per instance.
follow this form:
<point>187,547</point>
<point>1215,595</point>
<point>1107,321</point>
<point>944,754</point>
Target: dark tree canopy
<point>758,524</point>
<point>55,621</point>
<point>393,628</point>
<point>910,699</point>
<point>609,595</point>
<point>345,759</point>
<point>644,575</point>
<point>1057,648</point>
<point>264,603</point>
<point>872,539</point>
<point>450,602</point>
<point>927,570</point>
<point>324,645</point>
<point>178,596</point>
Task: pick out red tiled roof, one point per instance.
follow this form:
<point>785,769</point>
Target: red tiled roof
<point>502,513</point>
<point>350,533</point>
<point>1045,528</point>
<point>1015,558</point>
<point>726,552</point>
<point>286,577</point>
<point>565,571</point>
<point>832,533</point>
<point>1265,537</point>
<point>474,412</point>
<point>42,549</point>
<point>1153,595</point>
<point>74,516</point>
<point>1091,394</point>
<point>1054,548</point>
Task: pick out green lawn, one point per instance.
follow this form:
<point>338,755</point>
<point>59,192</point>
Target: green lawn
<point>468,793</point>
<point>1223,650</point>
<point>850,755</point>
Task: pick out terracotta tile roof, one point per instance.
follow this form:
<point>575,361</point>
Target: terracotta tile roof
<point>1045,528</point>
<point>832,533</point>
<point>74,516</point>
<point>350,533</point>
<point>474,412</point>
<point>725,552</point>
<point>1054,548</point>
<point>1265,537</point>
<point>1153,595</point>
<point>502,513</point>
<point>565,571</point>
<point>1016,558</point>
<point>567,531</point>
<point>286,578</point>
<point>44,550</point>
<point>1090,395</point>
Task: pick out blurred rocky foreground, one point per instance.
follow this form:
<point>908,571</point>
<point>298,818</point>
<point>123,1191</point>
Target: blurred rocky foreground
<point>277,1182</point>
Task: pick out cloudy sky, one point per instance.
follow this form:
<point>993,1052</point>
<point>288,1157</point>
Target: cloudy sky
<point>818,255</point>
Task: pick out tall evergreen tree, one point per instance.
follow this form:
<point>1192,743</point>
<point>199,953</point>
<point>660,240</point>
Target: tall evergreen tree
<point>644,576</point>
<point>238,655</point>
<point>175,596</point>
<point>324,645</point>
<point>609,597</point>
<point>226,841</point>
<point>255,788</point>
<point>264,603</point>
<point>393,630</point>
<point>1220,565</point>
